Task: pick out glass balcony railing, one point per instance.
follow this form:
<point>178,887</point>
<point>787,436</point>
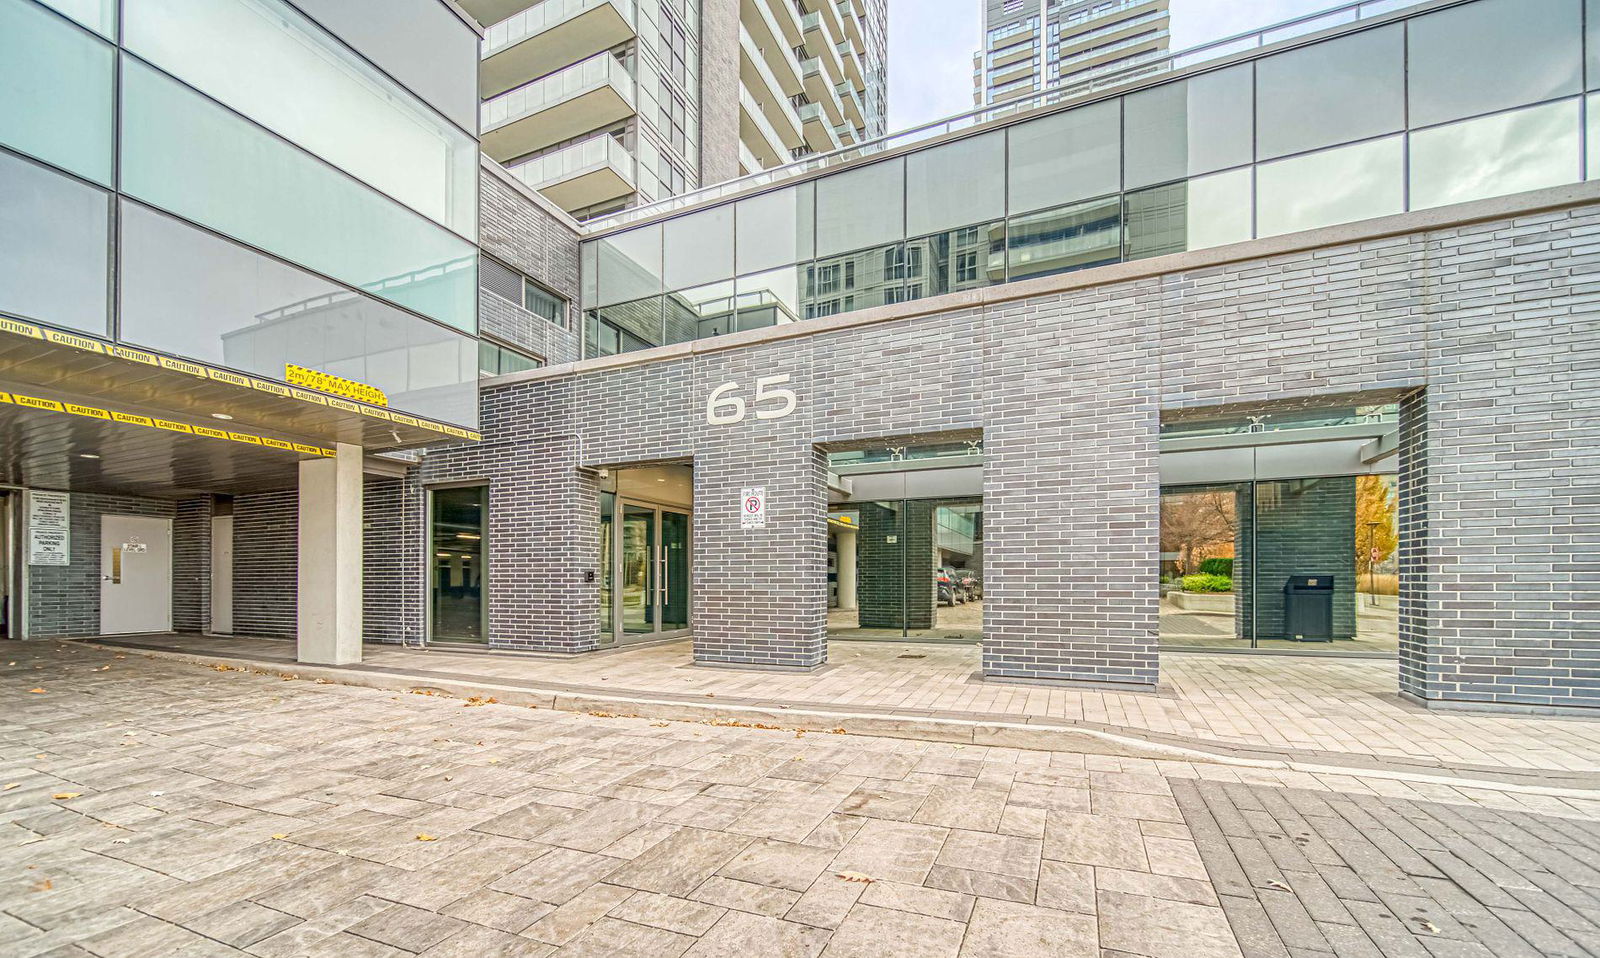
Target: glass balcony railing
<point>578,158</point>
<point>531,98</point>
<point>541,17</point>
<point>1110,49</point>
<point>1089,36</point>
<point>1075,20</point>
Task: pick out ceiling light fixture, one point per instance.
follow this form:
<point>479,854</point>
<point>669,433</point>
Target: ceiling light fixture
<point>87,455</point>
<point>222,415</point>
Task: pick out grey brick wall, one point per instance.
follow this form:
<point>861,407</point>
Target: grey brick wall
<point>191,565</point>
<point>266,529</point>
<point>383,545</point>
<point>65,600</point>
<point>719,85</point>
<point>1299,527</point>
<point>523,234</point>
<point>1499,495</point>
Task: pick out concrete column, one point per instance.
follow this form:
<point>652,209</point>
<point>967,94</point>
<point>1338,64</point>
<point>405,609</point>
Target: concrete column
<point>329,630</point>
<point>846,544</point>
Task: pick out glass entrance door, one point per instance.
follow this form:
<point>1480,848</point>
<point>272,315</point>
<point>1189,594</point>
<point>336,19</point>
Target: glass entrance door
<point>456,527</point>
<point>651,572</point>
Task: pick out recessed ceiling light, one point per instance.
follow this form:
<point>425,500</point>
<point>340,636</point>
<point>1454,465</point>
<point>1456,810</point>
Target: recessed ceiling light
<point>221,415</point>
<point>87,455</point>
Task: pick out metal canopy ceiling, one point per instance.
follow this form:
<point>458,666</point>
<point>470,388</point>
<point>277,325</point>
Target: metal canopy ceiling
<point>48,370</point>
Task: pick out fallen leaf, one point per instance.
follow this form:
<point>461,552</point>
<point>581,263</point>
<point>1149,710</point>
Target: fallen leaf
<point>281,835</point>
<point>856,876</point>
<point>1427,926</point>
<point>37,691</point>
<point>45,885</point>
<point>63,796</point>
<point>119,841</point>
<point>425,837</point>
<point>157,794</point>
<point>10,785</point>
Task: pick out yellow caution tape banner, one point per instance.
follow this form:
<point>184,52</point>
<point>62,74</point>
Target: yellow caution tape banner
<point>313,379</point>
<point>133,419</point>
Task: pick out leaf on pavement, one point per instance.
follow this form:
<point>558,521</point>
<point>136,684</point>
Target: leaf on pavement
<point>10,785</point>
<point>37,691</point>
<point>425,837</point>
<point>63,796</point>
<point>856,876</point>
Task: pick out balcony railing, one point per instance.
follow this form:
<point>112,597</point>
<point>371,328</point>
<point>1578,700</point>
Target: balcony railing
<point>541,17</point>
<point>1100,13</point>
<point>560,164</point>
<point>531,98</point>
<point>1109,49</point>
<point>1086,83</point>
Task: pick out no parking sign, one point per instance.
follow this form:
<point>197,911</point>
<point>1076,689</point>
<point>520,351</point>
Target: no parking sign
<point>753,507</point>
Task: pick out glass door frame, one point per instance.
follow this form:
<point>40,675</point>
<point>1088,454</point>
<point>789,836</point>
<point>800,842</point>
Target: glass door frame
<point>659,579</point>
<point>428,578</point>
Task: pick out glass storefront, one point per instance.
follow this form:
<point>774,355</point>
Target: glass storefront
<point>644,577</point>
<point>457,524</point>
<point>1303,564</point>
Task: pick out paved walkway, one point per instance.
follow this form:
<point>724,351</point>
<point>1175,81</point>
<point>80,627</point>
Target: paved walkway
<point>155,808</point>
<point>1311,708</point>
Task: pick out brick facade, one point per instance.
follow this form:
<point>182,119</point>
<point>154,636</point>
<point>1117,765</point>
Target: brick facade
<point>527,233</point>
<point>65,600</point>
<point>1067,388</point>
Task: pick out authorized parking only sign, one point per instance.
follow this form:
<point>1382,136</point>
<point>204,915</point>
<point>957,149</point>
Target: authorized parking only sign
<point>753,507</point>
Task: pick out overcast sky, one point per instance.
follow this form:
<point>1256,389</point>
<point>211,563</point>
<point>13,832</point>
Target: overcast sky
<point>931,43</point>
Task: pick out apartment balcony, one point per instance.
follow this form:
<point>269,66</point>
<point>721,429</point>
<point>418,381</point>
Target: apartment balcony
<point>492,11</point>
<point>851,61</point>
<point>1113,31</point>
<point>830,15</point>
<point>548,36</point>
<point>1150,42</point>
<point>748,162</point>
<point>846,134</point>
<point>757,133</point>
<point>769,38</point>
<point>820,89</point>
<point>851,23</point>
<point>588,173</point>
<point>563,105</point>
<point>1107,13</point>
<point>783,12</point>
<point>820,137</point>
<point>1013,73</point>
<point>852,103</point>
<point>1021,53</point>
<point>755,74</point>
<point>819,38</point>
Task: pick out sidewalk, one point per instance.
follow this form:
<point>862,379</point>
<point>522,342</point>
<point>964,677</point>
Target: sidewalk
<point>1236,707</point>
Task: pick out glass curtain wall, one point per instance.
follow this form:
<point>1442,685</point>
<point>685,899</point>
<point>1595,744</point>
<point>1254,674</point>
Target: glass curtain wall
<point>1303,564</point>
<point>1478,100</point>
<point>233,142</point>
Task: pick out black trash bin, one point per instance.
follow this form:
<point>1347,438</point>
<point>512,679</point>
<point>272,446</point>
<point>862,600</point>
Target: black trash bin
<point>1308,608</point>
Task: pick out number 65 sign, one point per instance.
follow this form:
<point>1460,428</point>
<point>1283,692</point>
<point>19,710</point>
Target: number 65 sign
<point>724,406</point>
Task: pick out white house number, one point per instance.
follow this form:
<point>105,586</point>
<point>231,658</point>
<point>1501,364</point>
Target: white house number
<point>725,406</point>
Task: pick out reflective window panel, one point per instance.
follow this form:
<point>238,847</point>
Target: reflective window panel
<point>1220,208</point>
<point>1065,157</point>
<point>497,360</point>
<point>55,91</point>
<point>1332,92</point>
<point>192,157</point>
<point>1460,61</point>
<point>1591,20</point>
<point>629,265</point>
<point>283,71</point>
<point>98,15</point>
<point>1341,185</point>
<point>698,248</point>
<point>955,184</point>
<point>876,276</point>
<point>774,229</point>
<point>699,312</point>
<point>189,292</point>
<point>1592,135</point>
<point>1190,127</point>
<point>968,257</point>
<point>861,207</point>
<point>771,298</point>
<point>59,275</point>
<point>1496,155</point>
<point>1065,239</point>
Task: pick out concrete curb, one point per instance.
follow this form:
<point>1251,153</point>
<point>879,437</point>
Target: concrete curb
<point>1032,736</point>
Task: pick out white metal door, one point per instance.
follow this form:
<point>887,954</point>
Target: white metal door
<point>135,574</point>
<point>222,574</point>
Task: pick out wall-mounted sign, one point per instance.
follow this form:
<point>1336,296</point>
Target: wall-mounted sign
<point>723,407</point>
<point>753,507</point>
<point>49,528</point>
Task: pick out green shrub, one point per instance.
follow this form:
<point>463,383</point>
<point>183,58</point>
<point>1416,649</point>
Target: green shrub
<point>1206,582</point>
<point>1222,567</point>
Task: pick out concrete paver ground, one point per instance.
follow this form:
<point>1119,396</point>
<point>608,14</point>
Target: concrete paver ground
<point>1319,706</point>
<point>154,808</point>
